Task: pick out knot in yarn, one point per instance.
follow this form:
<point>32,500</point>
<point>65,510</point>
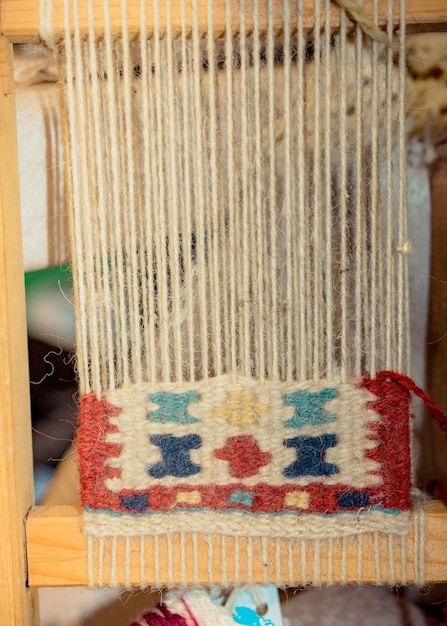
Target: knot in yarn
<point>370,28</point>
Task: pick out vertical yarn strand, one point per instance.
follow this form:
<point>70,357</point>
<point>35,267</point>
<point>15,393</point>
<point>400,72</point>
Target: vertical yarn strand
<point>390,344</point>
<point>186,213</point>
<point>360,209</point>
<point>215,195</point>
<point>80,296</point>
<point>260,338</point>
<point>344,268</point>
<point>300,148</point>
<point>316,232</point>
<point>160,234</point>
<point>272,269</point>
<point>287,296</point>
<point>172,210</point>
<point>146,226</point>
<point>200,181</point>
<point>403,336</point>
<point>327,201</point>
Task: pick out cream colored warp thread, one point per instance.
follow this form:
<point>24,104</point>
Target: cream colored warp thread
<point>237,561</point>
<point>359,254</point>
<point>195,559</point>
<point>156,561</point>
<point>300,283</point>
<point>142,562</point>
<point>259,231</point>
<point>212,224</point>
<point>127,578</point>
<point>314,561</point>
<point>147,287</point>
<point>419,529</point>
<point>390,344</point>
<point>272,198</point>
<point>276,576</point>
<point>329,307</point>
<point>341,59</point>
<point>210,559</point>
<point>317,209</point>
<point>183,561</point>
<point>224,571</point>
<point>375,209</point>
<point>288,335</point>
<point>360,559</point>
<point>391,578</point>
<point>404,247</point>
<point>91,561</point>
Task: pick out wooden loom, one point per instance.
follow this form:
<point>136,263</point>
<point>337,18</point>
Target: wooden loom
<point>45,546</point>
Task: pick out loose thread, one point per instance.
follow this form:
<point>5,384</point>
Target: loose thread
<point>409,385</point>
<point>188,611</point>
<point>357,13</point>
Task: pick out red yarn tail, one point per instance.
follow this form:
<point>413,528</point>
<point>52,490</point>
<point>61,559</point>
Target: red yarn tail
<point>407,383</point>
<point>434,486</point>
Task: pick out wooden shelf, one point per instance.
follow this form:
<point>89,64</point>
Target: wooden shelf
<point>19,19</point>
<point>57,555</point>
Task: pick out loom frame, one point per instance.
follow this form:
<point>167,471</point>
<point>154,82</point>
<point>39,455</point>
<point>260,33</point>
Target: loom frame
<point>44,546</point>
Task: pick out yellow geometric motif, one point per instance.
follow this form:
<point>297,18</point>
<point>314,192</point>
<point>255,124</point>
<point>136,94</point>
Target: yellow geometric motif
<point>188,497</point>
<point>241,409</point>
<point>297,499</point>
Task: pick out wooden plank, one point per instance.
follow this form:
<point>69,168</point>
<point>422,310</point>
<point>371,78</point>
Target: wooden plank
<point>16,486</point>
<point>57,554</point>
<point>19,19</point>
<point>433,446</point>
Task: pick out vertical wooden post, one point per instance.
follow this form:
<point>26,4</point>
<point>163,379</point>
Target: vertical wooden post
<point>433,461</point>
<point>17,602</point>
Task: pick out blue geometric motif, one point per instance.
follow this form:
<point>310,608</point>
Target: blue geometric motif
<point>355,499</point>
<point>240,496</point>
<point>136,503</point>
<point>310,407</point>
<point>175,456</point>
<point>173,407</point>
<point>310,456</point>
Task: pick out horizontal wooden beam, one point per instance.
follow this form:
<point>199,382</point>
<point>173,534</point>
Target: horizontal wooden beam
<point>57,556</point>
<point>19,19</point>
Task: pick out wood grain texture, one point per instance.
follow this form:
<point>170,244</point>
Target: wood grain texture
<point>19,19</point>
<point>433,441</point>
<point>57,554</point>
<point>16,485</point>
